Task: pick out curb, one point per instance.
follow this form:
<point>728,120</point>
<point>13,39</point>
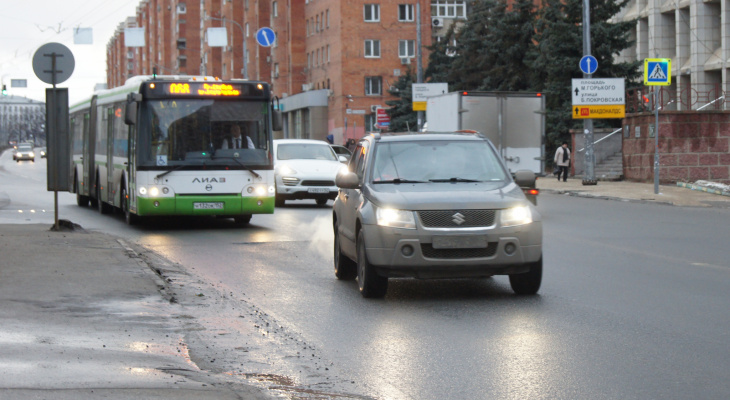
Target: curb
<point>703,189</point>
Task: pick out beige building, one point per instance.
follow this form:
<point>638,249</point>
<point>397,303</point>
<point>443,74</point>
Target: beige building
<point>695,35</point>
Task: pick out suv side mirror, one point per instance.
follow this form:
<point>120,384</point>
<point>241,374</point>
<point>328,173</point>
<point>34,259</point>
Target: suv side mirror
<point>525,178</point>
<point>347,180</point>
<point>343,159</point>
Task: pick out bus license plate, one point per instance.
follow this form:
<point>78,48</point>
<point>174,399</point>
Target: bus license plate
<point>459,242</point>
<point>208,206</point>
<point>318,190</point>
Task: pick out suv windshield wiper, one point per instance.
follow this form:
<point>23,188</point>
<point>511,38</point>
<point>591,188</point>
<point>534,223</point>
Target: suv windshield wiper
<point>170,170</point>
<point>246,167</point>
<point>454,180</point>
<point>399,180</point>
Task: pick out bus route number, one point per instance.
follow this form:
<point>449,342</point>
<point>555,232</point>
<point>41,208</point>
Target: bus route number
<point>179,88</point>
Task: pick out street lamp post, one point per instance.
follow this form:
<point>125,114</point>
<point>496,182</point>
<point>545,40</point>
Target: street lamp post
<point>243,37</point>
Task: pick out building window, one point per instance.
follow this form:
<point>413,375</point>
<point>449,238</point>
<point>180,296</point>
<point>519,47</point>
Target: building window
<point>247,31</point>
<point>182,43</point>
<point>316,25</point>
<point>181,9</point>
<point>448,8</point>
<point>405,12</point>
<point>276,70</point>
<point>372,48</point>
<point>274,9</point>
<point>328,55</point>
<point>406,48</point>
<point>372,12</point>
<point>328,18</point>
<point>373,85</point>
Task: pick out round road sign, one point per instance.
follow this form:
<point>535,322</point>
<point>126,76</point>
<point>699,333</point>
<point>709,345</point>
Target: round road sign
<point>43,63</point>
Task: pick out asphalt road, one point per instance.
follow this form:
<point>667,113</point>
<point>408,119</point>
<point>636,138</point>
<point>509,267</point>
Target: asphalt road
<point>634,303</point>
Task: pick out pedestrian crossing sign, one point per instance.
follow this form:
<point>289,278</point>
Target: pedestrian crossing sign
<point>657,71</point>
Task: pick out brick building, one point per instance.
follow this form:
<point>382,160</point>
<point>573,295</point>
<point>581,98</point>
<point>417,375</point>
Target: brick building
<point>331,64</point>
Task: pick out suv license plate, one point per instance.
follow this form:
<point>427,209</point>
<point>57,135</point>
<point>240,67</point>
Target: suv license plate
<point>208,206</point>
<point>459,242</point>
<point>318,190</point>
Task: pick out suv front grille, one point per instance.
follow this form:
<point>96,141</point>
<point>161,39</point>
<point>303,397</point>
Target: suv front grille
<point>451,218</point>
<point>429,252</point>
<point>318,183</point>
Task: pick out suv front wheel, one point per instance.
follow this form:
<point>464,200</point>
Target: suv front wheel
<point>370,283</point>
<point>528,282</point>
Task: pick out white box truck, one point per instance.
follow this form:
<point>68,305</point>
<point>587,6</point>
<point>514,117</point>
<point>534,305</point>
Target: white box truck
<point>513,121</point>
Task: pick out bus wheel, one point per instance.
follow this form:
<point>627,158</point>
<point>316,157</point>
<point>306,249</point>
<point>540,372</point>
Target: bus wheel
<point>101,206</point>
<point>129,217</point>
<point>242,219</point>
<point>81,200</point>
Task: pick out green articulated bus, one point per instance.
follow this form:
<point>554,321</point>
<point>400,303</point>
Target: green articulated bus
<point>162,146</point>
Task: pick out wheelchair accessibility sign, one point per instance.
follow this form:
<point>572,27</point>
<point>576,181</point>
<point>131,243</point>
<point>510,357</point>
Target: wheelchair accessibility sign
<point>657,71</point>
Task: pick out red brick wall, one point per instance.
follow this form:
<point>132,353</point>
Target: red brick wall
<point>692,146</point>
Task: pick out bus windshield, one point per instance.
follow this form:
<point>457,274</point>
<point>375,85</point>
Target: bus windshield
<point>203,132</point>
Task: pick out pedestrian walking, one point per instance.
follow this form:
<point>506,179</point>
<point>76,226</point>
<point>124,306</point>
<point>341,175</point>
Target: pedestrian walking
<point>562,161</point>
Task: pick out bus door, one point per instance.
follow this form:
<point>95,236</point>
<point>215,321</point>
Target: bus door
<point>88,152</point>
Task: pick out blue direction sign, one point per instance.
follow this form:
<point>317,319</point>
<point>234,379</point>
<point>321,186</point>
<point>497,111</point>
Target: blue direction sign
<point>266,37</point>
<point>588,64</point>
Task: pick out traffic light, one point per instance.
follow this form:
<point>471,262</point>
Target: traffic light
<point>5,90</point>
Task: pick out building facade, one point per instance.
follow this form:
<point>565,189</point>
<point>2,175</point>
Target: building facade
<point>22,119</point>
<point>331,64</point>
<point>695,35</point>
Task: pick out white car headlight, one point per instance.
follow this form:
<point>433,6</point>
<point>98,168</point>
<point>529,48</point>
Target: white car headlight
<point>286,170</point>
<point>31,154</point>
<point>395,218</point>
<point>516,216</point>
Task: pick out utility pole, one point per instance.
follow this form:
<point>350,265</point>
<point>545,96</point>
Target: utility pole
<point>589,177</point>
<point>419,64</point>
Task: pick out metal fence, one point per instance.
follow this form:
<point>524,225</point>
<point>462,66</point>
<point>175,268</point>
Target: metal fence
<point>692,97</point>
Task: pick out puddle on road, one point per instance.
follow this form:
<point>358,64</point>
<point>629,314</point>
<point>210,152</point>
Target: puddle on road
<point>288,388</point>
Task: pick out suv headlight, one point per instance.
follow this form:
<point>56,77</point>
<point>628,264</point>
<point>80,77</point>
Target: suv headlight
<point>516,216</point>
<point>395,218</point>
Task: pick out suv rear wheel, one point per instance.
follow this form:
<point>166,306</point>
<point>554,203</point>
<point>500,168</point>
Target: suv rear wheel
<point>370,283</point>
<point>528,282</point>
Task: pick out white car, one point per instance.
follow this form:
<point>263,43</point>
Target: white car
<point>305,169</point>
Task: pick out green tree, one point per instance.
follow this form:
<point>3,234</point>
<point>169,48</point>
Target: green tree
<point>559,38</point>
<point>402,116</point>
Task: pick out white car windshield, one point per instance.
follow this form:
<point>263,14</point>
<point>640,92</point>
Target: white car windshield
<point>305,151</point>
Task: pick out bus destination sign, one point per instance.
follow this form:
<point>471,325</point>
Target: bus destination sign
<point>202,89</point>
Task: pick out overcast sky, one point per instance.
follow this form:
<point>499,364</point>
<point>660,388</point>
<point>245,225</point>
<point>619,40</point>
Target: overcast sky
<point>25,25</point>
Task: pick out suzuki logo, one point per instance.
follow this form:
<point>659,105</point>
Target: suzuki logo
<point>458,218</point>
<point>209,187</point>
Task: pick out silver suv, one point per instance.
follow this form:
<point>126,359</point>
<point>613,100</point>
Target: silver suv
<point>434,205</point>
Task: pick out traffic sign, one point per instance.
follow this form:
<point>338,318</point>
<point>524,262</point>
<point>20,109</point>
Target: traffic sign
<point>422,91</point>
<point>382,117</point>
<point>657,71</point>
<point>598,112</point>
<point>588,64</point>
<point>598,98</point>
<point>266,37</point>
<point>53,63</point>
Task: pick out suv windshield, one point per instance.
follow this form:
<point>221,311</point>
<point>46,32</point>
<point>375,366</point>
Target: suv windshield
<point>24,148</point>
<point>299,151</point>
<point>436,161</point>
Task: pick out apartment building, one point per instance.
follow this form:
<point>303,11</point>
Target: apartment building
<point>331,65</point>
<point>695,35</point>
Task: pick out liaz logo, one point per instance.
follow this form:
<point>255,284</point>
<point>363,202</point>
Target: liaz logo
<point>209,180</point>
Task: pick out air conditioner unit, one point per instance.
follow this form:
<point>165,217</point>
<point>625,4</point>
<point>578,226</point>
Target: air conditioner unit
<point>268,58</point>
<point>306,87</point>
<point>405,61</point>
<point>374,108</point>
<point>437,22</point>
<point>330,92</point>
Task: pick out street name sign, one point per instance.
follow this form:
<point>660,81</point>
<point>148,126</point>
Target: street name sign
<point>598,98</point>
<point>422,91</point>
<point>657,71</point>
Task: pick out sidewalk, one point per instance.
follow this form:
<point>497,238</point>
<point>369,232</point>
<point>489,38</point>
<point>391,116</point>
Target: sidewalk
<point>82,317</point>
<point>634,191</point>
